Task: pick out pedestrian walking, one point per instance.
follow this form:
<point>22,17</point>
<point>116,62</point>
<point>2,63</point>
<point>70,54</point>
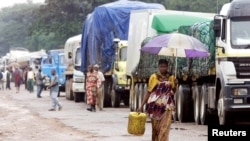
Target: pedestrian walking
<point>54,89</point>
<point>39,83</point>
<point>30,79</point>
<point>17,79</point>
<point>91,88</point>
<point>100,87</point>
<point>8,78</point>
<point>160,94</point>
<point>3,80</point>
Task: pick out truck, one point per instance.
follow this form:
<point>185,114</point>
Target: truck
<point>150,23</point>
<point>104,42</point>
<point>224,92</point>
<point>74,88</point>
<point>218,85</point>
<point>54,60</point>
<point>215,87</point>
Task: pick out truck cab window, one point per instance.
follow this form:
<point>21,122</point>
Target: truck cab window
<point>240,34</point>
<point>123,54</point>
<point>78,57</point>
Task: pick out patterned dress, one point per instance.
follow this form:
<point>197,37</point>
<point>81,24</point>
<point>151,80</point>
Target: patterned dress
<point>160,105</point>
<point>91,87</point>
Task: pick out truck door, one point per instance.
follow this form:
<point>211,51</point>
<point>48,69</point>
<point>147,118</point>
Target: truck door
<point>47,65</point>
<point>61,69</point>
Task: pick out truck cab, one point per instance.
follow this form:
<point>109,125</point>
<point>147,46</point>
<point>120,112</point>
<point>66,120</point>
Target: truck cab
<point>121,86</point>
<point>232,33</point>
<point>75,78</point>
<point>54,60</point>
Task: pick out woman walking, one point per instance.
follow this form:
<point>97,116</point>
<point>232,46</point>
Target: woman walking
<point>91,88</point>
<point>160,101</point>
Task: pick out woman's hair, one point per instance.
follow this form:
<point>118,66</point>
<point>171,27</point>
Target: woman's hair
<point>163,61</point>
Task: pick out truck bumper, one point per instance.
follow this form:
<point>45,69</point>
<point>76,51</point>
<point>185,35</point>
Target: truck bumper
<point>122,88</point>
<point>240,103</point>
<point>78,87</point>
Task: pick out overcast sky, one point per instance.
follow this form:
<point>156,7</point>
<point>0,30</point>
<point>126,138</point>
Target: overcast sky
<point>7,3</point>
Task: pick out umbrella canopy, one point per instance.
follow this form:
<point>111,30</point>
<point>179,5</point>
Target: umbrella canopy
<point>177,45</point>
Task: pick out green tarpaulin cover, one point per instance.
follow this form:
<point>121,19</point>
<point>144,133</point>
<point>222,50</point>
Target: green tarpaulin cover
<point>166,23</point>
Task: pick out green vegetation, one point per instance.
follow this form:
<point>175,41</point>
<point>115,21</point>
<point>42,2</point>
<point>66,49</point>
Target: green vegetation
<point>47,26</point>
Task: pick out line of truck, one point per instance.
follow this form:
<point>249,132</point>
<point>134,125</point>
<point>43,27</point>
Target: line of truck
<point>217,85</point>
<point>214,86</point>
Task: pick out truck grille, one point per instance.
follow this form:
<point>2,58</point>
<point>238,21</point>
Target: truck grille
<point>242,66</point>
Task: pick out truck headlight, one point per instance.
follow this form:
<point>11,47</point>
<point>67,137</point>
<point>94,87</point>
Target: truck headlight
<point>240,91</point>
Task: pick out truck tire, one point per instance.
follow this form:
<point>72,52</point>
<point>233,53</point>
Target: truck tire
<point>140,94</point>
<point>183,102</point>
<point>107,95</point>
<point>68,89</point>
<point>204,117</point>
<point>131,100</point>
<point>196,97</point>
<point>115,99</point>
<point>136,100</point>
<point>175,113</point>
<point>223,115</point>
<point>145,90</point>
<point>126,98</point>
<point>77,97</point>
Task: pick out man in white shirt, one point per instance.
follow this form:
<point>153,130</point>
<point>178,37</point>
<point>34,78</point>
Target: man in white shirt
<point>100,87</point>
<point>30,78</point>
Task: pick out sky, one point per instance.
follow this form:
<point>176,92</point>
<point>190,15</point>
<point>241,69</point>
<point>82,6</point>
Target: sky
<point>8,3</point>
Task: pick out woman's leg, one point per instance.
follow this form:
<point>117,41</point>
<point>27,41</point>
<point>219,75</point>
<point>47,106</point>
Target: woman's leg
<point>161,128</point>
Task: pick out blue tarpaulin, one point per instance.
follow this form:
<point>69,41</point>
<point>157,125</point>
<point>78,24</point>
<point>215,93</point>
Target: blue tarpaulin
<point>104,24</point>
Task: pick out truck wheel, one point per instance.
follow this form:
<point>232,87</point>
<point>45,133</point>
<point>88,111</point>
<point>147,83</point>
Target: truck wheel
<point>131,100</point>
<point>203,105</point>
<point>107,95</point>
<point>183,102</point>
<point>140,94</point>
<point>175,114</point>
<point>196,97</point>
<point>126,98</point>
<point>222,114</point>
<point>68,91</point>
<point>145,90</point>
<point>115,98</point>
<point>77,97</point>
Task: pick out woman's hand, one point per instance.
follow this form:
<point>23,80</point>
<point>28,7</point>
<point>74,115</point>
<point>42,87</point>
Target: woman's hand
<point>139,110</point>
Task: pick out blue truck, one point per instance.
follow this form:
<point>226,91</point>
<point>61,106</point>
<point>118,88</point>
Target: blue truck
<point>54,60</point>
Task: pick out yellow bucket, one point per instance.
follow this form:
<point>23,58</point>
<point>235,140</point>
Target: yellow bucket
<point>136,123</point>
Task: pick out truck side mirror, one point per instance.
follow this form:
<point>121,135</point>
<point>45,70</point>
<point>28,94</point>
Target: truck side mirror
<point>70,55</point>
<point>217,27</point>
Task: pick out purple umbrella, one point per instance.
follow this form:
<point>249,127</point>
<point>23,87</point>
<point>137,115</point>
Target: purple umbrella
<point>176,45</point>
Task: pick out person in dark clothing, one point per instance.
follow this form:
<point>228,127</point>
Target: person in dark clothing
<point>39,83</point>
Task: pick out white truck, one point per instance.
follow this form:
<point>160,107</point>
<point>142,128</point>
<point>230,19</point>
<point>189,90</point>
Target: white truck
<point>140,66</point>
<point>75,78</point>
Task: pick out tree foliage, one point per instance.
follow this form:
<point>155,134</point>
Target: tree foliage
<point>49,25</point>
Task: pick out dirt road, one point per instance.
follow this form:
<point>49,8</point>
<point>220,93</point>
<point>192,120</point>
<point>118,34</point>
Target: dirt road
<point>24,117</point>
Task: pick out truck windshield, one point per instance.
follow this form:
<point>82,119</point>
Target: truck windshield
<point>240,33</point>
<point>78,57</point>
<point>123,54</point>
<point>62,60</point>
